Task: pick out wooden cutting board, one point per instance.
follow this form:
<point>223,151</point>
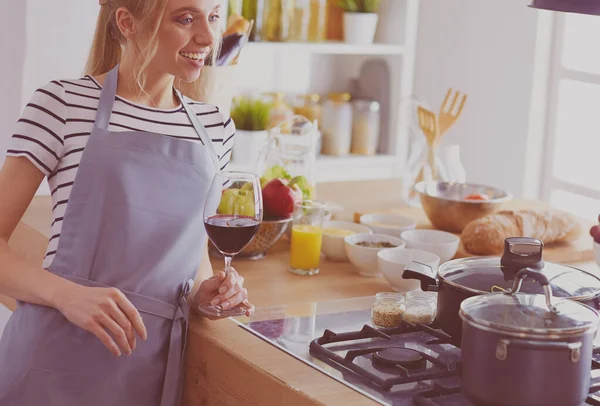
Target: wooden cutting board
<point>576,252</point>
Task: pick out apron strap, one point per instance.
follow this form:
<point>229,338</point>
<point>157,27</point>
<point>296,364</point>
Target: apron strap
<point>107,98</point>
<point>202,133</point>
<point>105,107</point>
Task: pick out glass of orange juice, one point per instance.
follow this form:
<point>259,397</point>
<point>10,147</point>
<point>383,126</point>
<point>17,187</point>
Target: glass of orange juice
<point>307,233</point>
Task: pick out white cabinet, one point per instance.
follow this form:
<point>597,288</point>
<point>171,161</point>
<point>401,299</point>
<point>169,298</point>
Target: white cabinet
<point>330,67</point>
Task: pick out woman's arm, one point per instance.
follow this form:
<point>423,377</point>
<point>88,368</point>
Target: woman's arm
<point>97,310</point>
<point>19,180</point>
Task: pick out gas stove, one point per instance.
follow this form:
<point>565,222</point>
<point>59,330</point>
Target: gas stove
<point>411,364</point>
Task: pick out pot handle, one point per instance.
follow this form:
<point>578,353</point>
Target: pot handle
<point>574,349</point>
<point>540,278</point>
<point>423,273</point>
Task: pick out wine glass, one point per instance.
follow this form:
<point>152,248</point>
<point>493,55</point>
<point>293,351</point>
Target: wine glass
<point>232,215</point>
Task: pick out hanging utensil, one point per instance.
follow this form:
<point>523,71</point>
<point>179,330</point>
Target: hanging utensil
<point>448,115</point>
<point>429,124</point>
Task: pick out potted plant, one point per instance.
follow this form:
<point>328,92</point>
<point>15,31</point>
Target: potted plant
<point>251,118</point>
<point>360,20</point>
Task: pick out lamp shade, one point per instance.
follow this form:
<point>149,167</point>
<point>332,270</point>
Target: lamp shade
<point>569,6</point>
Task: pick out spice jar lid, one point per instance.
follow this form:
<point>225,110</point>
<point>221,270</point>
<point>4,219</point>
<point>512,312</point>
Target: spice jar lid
<point>339,97</point>
<point>275,95</point>
<point>313,97</point>
<point>370,105</point>
<point>390,296</point>
<point>529,314</point>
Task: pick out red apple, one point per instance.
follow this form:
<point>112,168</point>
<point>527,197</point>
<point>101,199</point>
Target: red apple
<point>278,199</point>
<point>595,233</point>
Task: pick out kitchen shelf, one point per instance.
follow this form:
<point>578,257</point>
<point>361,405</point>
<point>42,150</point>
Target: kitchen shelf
<point>347,168</point>
<point>332,48</point>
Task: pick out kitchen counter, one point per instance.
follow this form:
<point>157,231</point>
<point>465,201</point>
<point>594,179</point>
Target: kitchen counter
<point>227,365</point>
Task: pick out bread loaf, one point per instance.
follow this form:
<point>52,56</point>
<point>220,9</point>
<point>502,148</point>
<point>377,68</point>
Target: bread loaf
<point>485,236</point>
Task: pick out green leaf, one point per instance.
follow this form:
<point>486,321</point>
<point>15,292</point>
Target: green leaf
<point>250,114</point>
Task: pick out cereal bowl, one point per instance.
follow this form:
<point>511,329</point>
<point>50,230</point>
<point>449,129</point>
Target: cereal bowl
<point>362,250</point>
<point>392,261</point>
<point>389,224</point>
<point>334,233</point>
<point>440,243</point>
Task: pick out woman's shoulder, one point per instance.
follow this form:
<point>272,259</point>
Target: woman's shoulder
<point>71,84</point>
<point>65,91</point>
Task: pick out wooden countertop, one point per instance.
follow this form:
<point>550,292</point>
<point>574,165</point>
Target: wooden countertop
<point>226,365</point>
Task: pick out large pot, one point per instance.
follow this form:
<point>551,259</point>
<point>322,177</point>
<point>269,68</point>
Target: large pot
<point>463,278</point>
<point>527,350</point>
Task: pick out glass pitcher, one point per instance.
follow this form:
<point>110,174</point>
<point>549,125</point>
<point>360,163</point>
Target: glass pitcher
<point>293,145</point>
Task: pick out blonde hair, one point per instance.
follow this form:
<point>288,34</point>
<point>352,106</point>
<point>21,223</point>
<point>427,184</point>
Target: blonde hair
<point>108,43</point>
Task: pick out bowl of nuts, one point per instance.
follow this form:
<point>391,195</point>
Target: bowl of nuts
<point>362,250</point>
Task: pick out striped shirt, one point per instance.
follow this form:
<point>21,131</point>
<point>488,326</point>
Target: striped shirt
<point>55,126</point>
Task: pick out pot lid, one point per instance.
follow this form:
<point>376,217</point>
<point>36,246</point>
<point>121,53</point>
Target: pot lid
<point>497,274</point>
<point>529,314</point>
<point>591,7</point>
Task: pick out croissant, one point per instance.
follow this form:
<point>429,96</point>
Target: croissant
<point>486,235</point>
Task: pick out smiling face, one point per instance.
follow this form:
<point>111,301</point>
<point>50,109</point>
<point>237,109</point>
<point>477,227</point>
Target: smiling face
<point>186,34</point>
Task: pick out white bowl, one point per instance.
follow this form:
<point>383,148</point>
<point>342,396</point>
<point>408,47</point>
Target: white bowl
<point>333,245</point>
<point>597,252</point>
<point>392,262</point>
<point>365,258</point>
<point>389,224</point>
<point>440,243</point>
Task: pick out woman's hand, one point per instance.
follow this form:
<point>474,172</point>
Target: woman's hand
<point>102,311</point>
<point>226,291</point>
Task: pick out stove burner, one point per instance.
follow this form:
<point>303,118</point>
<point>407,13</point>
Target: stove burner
<point>407,358</point>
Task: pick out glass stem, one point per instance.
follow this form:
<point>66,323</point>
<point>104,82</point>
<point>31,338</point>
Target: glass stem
<point>228,259</point>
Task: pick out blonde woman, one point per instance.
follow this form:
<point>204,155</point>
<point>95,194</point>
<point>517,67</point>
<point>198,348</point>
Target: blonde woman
<point>129,161</point>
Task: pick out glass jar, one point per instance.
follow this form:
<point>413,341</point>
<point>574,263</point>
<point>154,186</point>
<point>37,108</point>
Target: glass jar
<point>300,21</point>
<point>309,107</point>
<point>337,124</point>
<point>280,111</point>
<point>277,19</point>
<point>420,307</point>
<point>451,167</point>
<point>292,145</point>
<point>426,163</point>
<point>317,27</point>
<point>387,309</point>
<point>366,121</point>
<point>335,21</point>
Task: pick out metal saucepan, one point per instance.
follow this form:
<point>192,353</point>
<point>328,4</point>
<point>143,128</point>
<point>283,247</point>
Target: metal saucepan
<point>463,278</point>
<point>521,349</point>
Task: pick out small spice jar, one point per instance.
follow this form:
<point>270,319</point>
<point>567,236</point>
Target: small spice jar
<point>336,124</point>
<point>387,309</point>
<point>420,307</point>
<point>365,127</point>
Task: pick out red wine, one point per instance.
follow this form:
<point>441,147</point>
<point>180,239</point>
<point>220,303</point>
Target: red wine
<point>230,234</point>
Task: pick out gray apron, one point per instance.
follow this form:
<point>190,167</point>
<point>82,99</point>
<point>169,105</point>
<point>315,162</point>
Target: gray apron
<point>134,221</point>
